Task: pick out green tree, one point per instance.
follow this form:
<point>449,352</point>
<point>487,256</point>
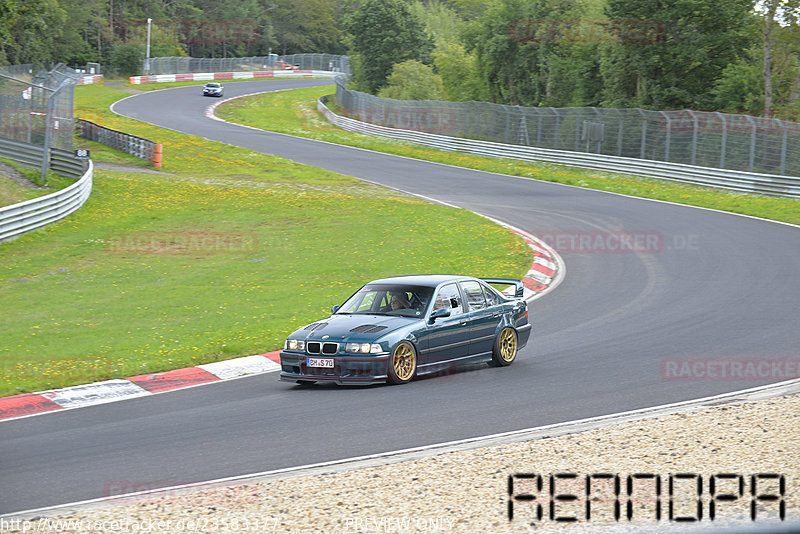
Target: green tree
<point>304,26</point>
<point>412,80</point>
<point>384,33</point>
<point>741,87</point>
<point>127,59</point>
<point>529,53</point>
<point>29,30</point>
<point>678,66</point>
<point>459,73</point>
<point>790,13</point>
<point>440,22</point>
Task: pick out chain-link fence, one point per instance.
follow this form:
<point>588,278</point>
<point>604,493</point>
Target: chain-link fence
<point>707,139</point>
<point>187,65</point>
<point>36,106</point>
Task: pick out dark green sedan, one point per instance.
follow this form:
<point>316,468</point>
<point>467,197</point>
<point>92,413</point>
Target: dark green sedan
<point>394,329</point>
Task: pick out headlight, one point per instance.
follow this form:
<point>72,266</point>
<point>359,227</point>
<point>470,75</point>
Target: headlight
<point>363,348</point>
<point>294,344</point>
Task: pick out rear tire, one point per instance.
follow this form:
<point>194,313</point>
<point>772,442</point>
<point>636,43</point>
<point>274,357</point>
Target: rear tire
<point>402,363</point>
<point>505,348</point>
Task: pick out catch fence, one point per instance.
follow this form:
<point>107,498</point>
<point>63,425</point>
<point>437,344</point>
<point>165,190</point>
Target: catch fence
<point>187,65</point>
<point>36,107</point>
<point>696,138</point>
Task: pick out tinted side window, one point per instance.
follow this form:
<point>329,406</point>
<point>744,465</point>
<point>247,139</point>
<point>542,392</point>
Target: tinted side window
<point>491,296</point>
<point>474,295</point>
<point>450,299</point>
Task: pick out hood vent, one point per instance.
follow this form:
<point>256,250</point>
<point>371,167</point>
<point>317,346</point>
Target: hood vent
<point>368,329</point>
<point>315,326</point>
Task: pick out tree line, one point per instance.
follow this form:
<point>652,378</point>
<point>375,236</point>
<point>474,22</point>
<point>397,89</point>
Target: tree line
<point>727,55</point>
<point>730,55</point>
<point>112,32</point>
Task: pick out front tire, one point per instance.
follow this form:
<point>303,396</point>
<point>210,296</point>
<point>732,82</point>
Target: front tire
<point>402,363</point>
<point>505,348</point>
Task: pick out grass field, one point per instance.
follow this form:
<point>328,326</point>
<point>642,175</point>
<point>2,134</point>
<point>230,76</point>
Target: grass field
<point>12,192</point>
<point>221,258</point>
<point>294,112</point>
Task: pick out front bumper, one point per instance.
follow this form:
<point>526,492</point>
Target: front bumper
<point>346,369</point>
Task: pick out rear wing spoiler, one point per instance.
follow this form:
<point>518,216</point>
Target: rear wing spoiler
<point>515,289</point>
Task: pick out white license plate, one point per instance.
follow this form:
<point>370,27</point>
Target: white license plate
<point>319,362</point>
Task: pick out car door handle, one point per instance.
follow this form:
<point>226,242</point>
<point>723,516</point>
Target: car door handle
<point>463,323</point>
<point>496,314</point>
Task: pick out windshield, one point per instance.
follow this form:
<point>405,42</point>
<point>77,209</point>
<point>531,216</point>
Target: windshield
<point>213,85</point>
<point>388,299</point>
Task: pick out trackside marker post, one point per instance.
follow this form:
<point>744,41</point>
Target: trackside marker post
<point>157,155</point>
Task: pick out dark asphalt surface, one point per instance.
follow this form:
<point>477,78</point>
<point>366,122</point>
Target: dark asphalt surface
<point>719,286</point>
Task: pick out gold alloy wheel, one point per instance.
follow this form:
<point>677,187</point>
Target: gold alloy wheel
<point>404,362</point>
<point>508,345</point>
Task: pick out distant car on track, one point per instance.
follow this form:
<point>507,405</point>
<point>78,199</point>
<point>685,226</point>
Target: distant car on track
<point>213,89</point>
<point>394,329</point>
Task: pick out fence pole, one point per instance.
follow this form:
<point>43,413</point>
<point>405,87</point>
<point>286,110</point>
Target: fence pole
<point>558,128</point>
<point>724,143</point>
<point>783,145</point>
<point>694,135</point>
<point>48,137</point>
<point>644,135</point>
<point>752,142</point>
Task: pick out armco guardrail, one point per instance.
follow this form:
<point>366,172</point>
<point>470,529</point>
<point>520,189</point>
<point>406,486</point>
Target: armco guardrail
<point>35,213</point>
<point>768,184</point>
<point>130,144</point>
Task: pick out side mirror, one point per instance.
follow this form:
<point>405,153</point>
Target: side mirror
<point>335,308</point>
<point>520,292</point>
<point>442,312</point>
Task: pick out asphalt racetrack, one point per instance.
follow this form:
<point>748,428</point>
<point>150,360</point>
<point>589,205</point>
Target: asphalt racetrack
<point>710,285</point>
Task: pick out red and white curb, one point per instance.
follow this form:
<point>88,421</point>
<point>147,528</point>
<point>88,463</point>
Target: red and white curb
<point>547,269</point>
<point>27,404</point>
<point>242,75</point>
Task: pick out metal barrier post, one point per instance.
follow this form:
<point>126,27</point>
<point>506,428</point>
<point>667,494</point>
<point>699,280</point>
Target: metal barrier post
<point>724,142</point>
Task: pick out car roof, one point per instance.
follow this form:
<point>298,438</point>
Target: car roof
<point>430,280</point>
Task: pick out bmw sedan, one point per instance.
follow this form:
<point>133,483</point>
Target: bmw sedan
<point>213,89</point>
<point>394,329</point>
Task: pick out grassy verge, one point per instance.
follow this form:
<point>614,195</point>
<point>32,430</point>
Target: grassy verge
<point>294,112</point>
<point>221,258</point>
<point>11,192</point>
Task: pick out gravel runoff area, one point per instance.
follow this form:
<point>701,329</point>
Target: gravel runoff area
<point>468,491</point>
